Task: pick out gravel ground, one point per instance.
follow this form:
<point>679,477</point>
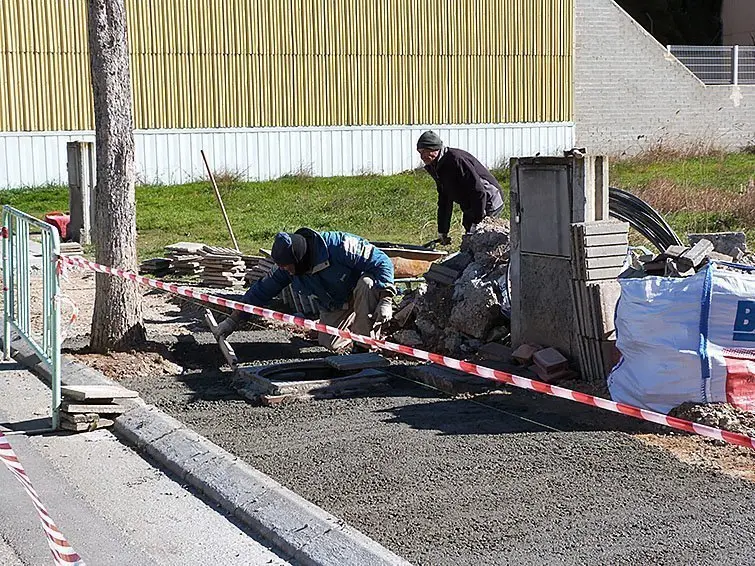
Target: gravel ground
<point>458,481</point>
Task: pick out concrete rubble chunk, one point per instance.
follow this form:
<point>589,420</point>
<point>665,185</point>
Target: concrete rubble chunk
<point>495,351</point>
<point>477,312</point>
<point>489,242</point>
<point>696,256</point>
<point>523,354</point>
<point>408,338</point>
<point>728,243</point>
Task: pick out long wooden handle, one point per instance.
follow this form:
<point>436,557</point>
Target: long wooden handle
<point>220,200</point>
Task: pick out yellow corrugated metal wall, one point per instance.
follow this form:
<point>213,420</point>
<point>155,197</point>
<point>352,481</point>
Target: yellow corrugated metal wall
<point>247,63</point>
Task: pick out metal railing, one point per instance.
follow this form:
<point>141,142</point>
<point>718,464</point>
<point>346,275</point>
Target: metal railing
<point>718,65</point>
<point>17,293</point>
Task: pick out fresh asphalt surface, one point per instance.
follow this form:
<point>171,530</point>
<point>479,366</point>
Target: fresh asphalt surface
<point>446,481</point>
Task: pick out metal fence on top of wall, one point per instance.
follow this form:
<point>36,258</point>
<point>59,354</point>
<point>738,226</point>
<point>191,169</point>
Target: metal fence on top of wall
<point>718,65</point>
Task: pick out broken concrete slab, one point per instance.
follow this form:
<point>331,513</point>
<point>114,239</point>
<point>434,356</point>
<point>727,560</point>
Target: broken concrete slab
<point>727,243</point>
<point>695,256</point>
<point>357,361</point>
<point>98,392</point>
<point>523,354</point>
<point>314,378</point>
<point>86,426</point>
<point>103,408</point>
<point>451,381</point>
<point>495,351</point>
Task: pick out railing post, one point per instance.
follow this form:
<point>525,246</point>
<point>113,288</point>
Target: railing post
<point>735,65</point>
<point>54,324</point>
<point>7,285</point>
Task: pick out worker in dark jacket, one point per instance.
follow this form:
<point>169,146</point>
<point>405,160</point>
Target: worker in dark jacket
<point>351,280</point>
<point>460,178</point>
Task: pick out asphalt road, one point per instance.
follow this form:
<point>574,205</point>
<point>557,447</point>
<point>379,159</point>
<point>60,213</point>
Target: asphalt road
<point>453,482</point>
<point>113,506</point>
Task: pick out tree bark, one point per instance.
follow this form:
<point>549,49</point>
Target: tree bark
<point>117,321</point>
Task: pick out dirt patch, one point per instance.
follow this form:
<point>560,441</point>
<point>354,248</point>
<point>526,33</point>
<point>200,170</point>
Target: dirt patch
<point>735,461</point>
<point>120,366</point>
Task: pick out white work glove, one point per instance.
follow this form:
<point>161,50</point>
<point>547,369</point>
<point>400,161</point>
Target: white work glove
<point>444,239</point>
<point>384,311</point>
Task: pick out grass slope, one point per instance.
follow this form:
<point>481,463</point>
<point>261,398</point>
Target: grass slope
<point>697,194</point>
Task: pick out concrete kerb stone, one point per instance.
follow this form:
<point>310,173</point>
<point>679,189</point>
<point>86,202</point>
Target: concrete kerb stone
<point>290,523</point>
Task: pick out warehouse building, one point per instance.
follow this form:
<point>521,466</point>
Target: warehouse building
<point>275,87</point>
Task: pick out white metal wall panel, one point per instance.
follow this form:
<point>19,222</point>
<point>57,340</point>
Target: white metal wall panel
<point>172,156</point>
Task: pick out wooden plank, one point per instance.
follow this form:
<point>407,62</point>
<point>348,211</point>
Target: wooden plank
<point>91,392</point>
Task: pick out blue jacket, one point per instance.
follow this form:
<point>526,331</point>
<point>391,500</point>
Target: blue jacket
<point>340,259</point>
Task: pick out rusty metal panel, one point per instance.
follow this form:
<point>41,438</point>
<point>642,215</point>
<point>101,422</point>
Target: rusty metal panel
<point>289,63</point>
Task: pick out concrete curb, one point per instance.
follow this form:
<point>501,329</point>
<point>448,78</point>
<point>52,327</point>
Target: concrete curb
<point>291,524</point>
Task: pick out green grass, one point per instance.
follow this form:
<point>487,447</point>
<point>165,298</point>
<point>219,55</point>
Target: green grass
<point>696,194</point>
<point>726,171</point>
<point>712,193</point>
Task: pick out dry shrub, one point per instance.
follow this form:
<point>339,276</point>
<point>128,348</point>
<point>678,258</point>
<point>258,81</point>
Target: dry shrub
<point>667,197</point>
<point>678,152</point>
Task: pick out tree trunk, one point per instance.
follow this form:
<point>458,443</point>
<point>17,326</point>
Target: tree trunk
<point>117,321</point>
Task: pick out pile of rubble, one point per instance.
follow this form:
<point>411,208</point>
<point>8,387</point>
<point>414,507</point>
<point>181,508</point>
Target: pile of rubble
<point>466,302</point>
<point>683,261</point>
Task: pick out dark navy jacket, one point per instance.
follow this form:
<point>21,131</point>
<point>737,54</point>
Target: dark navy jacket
<point>461,178</point>
<point>340,260</point>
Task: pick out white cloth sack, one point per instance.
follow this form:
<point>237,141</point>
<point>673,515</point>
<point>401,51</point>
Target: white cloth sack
<point>686,339</point>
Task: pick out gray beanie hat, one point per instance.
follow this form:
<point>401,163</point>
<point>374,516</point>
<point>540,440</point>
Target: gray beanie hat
<point>429,140</point>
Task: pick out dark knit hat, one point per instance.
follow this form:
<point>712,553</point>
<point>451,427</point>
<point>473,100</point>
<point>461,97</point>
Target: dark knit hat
<point>429,140</point>
<point>288,248</point>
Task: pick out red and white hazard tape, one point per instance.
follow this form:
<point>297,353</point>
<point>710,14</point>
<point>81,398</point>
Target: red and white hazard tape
<point>468,367</point>
<point>62,553</point>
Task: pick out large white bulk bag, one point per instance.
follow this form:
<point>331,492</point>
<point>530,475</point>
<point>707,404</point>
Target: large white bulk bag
<point>686,339</point>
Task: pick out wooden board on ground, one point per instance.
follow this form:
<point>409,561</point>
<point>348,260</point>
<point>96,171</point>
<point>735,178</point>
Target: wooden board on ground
<point>98,392</point>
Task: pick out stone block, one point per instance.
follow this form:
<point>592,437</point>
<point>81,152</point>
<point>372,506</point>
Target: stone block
<point>550,360</point>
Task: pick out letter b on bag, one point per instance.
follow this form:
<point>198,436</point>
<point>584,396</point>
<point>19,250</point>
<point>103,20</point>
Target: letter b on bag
<point>744,325</point>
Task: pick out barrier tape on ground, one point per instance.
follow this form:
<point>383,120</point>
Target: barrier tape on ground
<point>468,367</point>
<point>62,553</point>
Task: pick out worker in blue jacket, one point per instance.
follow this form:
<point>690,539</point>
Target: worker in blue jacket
<point>351,280</point>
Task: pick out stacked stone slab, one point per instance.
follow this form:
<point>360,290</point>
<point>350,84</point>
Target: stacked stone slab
<point>257,268</point>
<point>222,270</point>
<point>157,266</point>
<point>186,257</point>
<point>599,251</point>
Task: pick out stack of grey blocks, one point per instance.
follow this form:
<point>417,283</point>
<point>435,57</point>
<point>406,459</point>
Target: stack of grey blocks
<point>599,251</point>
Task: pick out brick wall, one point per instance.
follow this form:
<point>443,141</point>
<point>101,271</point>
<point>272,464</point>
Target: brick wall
<point>630,95</point>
